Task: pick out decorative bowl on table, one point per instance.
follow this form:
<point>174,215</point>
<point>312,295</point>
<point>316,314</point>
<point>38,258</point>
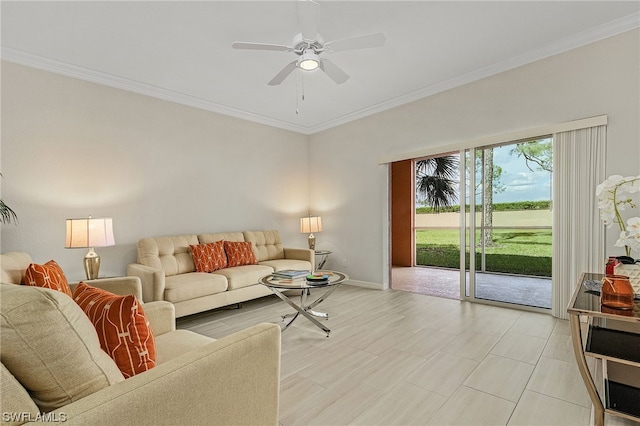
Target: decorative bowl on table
<point>316,279</point>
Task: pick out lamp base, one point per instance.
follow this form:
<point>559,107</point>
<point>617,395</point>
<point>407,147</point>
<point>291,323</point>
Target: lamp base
<point>312,242</point>
<point>92,264</point>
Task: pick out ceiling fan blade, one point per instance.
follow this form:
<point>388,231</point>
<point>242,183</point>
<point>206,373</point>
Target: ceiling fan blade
<point>260,46</point>
<point>359,42</point>
<point>332,70</point>
<point>308,19</point>
<point>279,78</point>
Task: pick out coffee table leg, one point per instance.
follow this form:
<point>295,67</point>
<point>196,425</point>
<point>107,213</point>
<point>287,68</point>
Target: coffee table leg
<point>303,304</point>
<point>309,308</point>
<point>300,311</point>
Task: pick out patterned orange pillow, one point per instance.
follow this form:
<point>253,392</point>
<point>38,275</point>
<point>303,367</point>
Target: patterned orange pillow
<point>209,257</point>
<point>239,253</point>
<point>49,275</point>
<point>123,329</point>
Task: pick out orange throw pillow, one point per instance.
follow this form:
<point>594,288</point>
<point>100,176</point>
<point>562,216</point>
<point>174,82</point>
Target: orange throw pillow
<point>239,253</point>
<point>123,329</point>
<point>209,257</point>
<point>49,275</point>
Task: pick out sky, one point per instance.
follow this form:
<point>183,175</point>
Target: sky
<point>521,184</point>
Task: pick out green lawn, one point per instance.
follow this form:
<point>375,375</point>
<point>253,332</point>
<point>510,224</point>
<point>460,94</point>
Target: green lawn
<point>517,251</point>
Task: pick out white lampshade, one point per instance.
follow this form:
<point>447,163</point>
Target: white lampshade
<point>310,224</point>
<point>89,232</point>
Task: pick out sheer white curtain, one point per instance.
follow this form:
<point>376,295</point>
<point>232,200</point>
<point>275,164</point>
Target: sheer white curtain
<point>578,232</point>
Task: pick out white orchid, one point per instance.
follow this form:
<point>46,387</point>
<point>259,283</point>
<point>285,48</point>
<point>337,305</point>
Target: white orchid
<point>631,237</point>
<point>611,201</point>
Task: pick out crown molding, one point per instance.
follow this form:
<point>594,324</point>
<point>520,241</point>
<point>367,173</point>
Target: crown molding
<point>593,35</point>
<point>610,29</point>
<point>69,70</point>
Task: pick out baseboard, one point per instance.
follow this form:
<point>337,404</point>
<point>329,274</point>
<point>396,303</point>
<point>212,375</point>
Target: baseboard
<point>364,284</point>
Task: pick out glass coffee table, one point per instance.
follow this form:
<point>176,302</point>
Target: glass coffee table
<point>305,307</point>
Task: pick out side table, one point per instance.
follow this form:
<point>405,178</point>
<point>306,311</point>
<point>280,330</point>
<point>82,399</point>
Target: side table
<point>613,338</point>
<point>324,254</point>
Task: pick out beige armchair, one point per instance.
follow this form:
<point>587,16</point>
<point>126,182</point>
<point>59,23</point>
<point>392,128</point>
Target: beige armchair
<point>198,380</point>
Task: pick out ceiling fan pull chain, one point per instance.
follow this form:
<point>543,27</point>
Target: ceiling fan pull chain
<point>297,91</point>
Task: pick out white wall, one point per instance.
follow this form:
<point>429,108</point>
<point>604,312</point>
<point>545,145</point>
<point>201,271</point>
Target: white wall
<point>350,188</point>
<point>73,149</point>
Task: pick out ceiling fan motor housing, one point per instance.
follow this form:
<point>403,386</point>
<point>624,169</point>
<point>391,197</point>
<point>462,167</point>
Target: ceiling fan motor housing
<point>300,45</point>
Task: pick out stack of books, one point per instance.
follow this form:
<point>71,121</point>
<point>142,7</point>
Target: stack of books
<point>290,274</point>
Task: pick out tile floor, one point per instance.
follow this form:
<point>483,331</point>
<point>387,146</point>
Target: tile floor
<point>442,282</point>
<point>400,358</point>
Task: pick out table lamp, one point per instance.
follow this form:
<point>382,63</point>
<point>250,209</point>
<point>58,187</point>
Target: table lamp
<point>89,233</point>
<point>309,225</point>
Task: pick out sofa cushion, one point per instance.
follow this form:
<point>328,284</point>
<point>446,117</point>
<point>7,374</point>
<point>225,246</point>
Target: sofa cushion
<point>14,265</point>
<point>244,276</point>
<point>178,342</point>
<point>51,347</point>
<point>123,328</point>
<point>49,275</point>
<point>15,400</point>
<point>267,245</point>
<point>179,288</point>
<point>239,253</point>
<point>209,257</point>
<point>171,254</point>
<point>220,236</point>
<point>280,264</point>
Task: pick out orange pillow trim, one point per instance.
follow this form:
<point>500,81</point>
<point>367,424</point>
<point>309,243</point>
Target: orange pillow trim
<point>123,329</point>
<point>239,253</point>
<point>209,257</point>
<point>49,275</point>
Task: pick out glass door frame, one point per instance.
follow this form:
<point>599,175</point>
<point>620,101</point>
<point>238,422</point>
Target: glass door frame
<point>463,228</point>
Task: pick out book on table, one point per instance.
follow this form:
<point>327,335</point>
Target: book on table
<point>291,273</point>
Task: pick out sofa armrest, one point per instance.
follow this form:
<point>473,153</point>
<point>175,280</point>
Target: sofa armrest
<point>152,281</point>
<point>118,285</point>
<point>161,316</point>
<point>234,380</point>
<point>300,254</point>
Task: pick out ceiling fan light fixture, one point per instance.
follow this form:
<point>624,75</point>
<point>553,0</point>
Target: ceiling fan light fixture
<point>308,61</point>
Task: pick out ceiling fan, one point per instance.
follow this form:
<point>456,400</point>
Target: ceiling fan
<point>308,45</point>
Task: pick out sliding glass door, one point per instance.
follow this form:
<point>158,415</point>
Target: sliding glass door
<point>507,223</point>
<point>483,224</point>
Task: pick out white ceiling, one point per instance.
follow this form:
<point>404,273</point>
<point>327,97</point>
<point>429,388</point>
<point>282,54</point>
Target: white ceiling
<point>181,51</point>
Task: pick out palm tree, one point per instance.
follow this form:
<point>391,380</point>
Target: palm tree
<point>436,180</point>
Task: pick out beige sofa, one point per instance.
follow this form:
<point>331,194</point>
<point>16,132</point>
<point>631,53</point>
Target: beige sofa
<point>198,380</point>
<point>166,269</point>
